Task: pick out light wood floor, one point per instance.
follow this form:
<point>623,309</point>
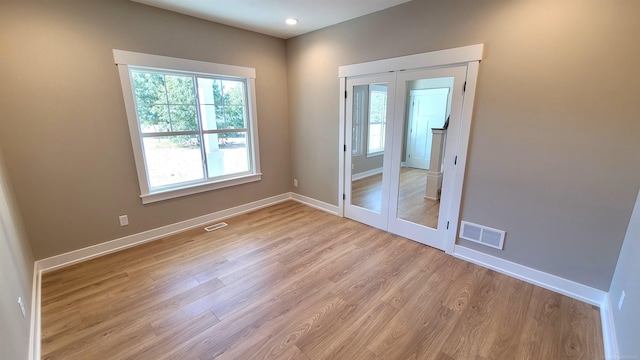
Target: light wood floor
<point>292,282</point>
<point>412,205</point>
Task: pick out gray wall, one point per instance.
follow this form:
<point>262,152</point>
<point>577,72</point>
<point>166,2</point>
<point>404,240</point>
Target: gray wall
<point>627,319</point>
<point>63,126</point>
<point>16,274</point>
<point>554,151</point>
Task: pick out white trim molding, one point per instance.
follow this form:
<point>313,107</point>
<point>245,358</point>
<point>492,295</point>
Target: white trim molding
<point>548,281</point>
<point>556,284</point>
<point>122,243</point>
<point>610,341</point>
<point>317,204</point>
<point>34,326</point>
<point>536,277</point>
<point>90,252</point>
<point>198,188</point>
<point>122,57</point>
<point>452,59</point>
<point>189,68</point>
<point>342,148</point>
<point>457,55</point>
<point>366,174</point>
<point>84,254</point>
<point>464,135</point>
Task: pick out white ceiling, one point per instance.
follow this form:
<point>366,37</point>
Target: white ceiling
<point>267,16</point>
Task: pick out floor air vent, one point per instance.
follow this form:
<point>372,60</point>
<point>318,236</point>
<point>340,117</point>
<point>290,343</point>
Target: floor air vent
<point>215,226</point>
<point>482,235</point>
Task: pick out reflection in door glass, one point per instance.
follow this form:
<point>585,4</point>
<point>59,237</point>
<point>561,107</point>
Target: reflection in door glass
<point>368,121</point>
<point>427,109</point>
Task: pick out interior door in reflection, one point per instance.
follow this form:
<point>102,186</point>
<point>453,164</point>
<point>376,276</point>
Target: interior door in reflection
<point>427,107</point>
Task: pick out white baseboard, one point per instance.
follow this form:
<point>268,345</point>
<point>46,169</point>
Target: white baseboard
<point>366,174</point>
<point>548,281</point>
<point>108,247</point>
<point>76,256</point>
<point>608,330</point>
<point>563,286</point>
<point>320,205</point>
<point>122,243</point>
<point>554,283</point>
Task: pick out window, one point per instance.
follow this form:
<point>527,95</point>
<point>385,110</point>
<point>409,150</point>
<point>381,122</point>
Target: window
<point>377,118</point>
<point>192,124</point>
<point>359,118</point>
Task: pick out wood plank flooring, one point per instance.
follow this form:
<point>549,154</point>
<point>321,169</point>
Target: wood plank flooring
<point>292,282</point>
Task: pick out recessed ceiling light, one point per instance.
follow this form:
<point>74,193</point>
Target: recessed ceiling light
<point>291,21</point>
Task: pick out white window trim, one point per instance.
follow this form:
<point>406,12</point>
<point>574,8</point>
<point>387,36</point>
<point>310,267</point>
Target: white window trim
<point>124,59</point>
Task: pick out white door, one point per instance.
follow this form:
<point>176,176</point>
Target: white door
<point>427,110</point>
<point>411,215</point>
<point>379,190</point>
<point>368,126</point>
<point>399,207</point>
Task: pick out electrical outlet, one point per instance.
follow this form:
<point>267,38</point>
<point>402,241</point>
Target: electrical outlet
<point>124,220</point>
<point>21,304</point>
<point>621,301</point>
<point>295,182</point>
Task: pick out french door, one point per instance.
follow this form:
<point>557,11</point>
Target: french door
<point>369,131</point>
<point>389,118</point>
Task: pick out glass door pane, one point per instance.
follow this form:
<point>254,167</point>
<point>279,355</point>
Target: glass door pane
<point>428,105</point>
<point>428,102</point>
<point>367,152</point>
<point>368,129</point>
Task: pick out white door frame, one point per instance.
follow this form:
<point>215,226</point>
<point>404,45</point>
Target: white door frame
<point>467,55</point>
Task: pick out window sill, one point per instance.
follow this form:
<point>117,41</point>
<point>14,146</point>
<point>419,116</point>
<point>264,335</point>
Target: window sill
<point>199,188</point>
<point>374,154</point>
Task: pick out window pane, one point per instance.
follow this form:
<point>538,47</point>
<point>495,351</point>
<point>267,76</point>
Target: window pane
<point>205,91</point>
<point>222,104</point>
<point>376,138</point>
<point>221,92</point>
<point>180,90</point>
<point>153,118</point>
<point>183,118</point>
<point>173,159</point>
<point>149,88</point>
<point>218,98</point>
<point>226,153</point>
<point>233,92</point>
<point>208,115</point>
<point>230,117</point>
<point>377,117</point>
<point>378,107</point>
